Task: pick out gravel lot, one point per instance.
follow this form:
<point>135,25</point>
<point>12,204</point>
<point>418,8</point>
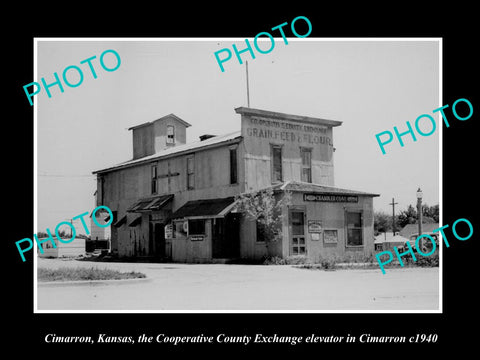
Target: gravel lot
<point>211,287</point>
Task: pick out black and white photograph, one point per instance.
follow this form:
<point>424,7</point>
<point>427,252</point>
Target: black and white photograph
<point>295,181</point>
<point>258,188</point>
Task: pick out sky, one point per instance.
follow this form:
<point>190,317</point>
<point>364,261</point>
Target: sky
<point>371,86</point>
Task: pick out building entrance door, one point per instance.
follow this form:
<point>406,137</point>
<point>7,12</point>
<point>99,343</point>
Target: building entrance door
<point>226,237</point>
<point>298,244</point>
<point>159,240</point>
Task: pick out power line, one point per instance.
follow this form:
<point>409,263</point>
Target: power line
<point>64,175</point>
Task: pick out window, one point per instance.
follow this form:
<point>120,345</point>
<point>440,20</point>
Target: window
<point>298,225</point>
<point>233,166</point>
<point>196,227</point>
<point>354,228</point>
<point>276,163</point>
<point>154,179</point>
<point>306,169</point>
<point>170,134</point>
<point>190,172</point>
<point>179,228</point>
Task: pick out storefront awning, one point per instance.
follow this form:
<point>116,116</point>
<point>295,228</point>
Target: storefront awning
<point>205,208</point>
<point>153,203</point>
<point>137,221</point>
<point>120,222</point>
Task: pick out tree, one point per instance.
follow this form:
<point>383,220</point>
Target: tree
<point>430,214</point>
<point>382,222</point>
<point>406,217</point>
<point>262,207</point>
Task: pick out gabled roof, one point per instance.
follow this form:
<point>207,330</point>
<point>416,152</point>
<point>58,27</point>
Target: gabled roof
<point>178,150</point>
<point>411,229</point>
<point>186,124</point>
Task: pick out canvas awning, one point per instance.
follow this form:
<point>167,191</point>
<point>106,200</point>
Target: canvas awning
<point>205,208</point>
<point>153,203</point>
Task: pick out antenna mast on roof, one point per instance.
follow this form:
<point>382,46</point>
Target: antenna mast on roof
<point>248,94</point>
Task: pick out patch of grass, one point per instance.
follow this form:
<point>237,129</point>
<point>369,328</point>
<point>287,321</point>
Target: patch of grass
<point>79,273</point>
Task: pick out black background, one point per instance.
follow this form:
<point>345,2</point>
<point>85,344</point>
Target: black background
<point>455,23</point>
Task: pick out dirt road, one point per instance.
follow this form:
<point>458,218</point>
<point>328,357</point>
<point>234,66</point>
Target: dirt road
<point>245,287</point>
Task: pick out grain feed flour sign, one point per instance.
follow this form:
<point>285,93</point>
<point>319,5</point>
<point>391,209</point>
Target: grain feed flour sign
<point>290,132</point>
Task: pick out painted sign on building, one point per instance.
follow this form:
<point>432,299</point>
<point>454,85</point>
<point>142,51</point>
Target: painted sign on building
<point>330,198</point>
<point>286,131</point>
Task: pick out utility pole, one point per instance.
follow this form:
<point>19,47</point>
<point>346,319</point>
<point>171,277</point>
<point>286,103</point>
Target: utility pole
<point>393,203</point>
<point>419,210</point>
<point>71,229</point>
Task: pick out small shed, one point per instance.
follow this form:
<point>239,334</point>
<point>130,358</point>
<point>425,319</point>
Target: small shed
<point>74,248</point>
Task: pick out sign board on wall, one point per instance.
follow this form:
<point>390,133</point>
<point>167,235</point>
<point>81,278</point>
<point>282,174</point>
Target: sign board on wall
<point>196,237</point>
<point>168,231</point>
<point>314,226</point>
<point>330,236</point>
<point>330,198</point>
<point>288,131</point>
<point>315,236</point>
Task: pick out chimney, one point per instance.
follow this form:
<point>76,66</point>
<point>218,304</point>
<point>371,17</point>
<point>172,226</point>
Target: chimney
<point>206,136</point>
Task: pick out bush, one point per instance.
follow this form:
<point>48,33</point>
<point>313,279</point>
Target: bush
<point>296,260</point>
<point>328,264</point>
<point>291,260</point>
<point>428,261</point>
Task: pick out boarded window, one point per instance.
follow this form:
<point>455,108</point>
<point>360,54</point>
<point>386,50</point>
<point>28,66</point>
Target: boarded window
<point>276,163</point>
<point>233,166</point>
<point>191,172</point>
<point>354,228</point>
<point>154,179</point>
<point>170,134</point>
<point>306,169</point>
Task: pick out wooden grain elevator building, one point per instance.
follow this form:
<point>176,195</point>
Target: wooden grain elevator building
<point>176,201</point>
